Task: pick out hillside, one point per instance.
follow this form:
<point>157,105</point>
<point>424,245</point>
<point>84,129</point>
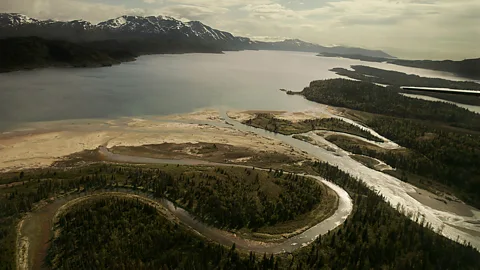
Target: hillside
<point>32,52</point>
<point>469,68</point>
<point>167,30</point>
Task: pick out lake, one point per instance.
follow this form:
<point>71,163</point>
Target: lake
<point>167,84</point>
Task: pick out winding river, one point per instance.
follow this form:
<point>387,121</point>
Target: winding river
<point>34,239</point>
<point>164,85</point>
<point>458,227</point>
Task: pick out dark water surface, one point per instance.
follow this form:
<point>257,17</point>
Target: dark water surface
<point>167,84</point>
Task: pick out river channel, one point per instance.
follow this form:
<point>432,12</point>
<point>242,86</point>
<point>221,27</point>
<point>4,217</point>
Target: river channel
<point>35,238</point>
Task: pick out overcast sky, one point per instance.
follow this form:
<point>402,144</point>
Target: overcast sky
<point>424,29</point>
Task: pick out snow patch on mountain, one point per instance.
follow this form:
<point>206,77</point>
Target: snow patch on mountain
<point>14,24</point>
<point>118,22</point>
<point>15,19</point>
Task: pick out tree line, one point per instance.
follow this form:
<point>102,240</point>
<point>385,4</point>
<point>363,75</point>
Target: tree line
<point>375,235</point>
<point>119,233</point>
<point>378,236</point>
<point>368,97</point>
<point>440,151</point>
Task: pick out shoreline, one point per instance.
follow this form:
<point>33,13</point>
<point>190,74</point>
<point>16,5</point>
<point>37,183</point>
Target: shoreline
<point>52,145</point>
<point>41,144</point>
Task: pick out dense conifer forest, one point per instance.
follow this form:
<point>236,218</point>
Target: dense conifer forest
<point>375,236</point>
<point>390,77</point>
<point>235,198</point>
<point>119,233</point>
<point>439,149</point>
<point>222,197</point>
<point>367,97</point>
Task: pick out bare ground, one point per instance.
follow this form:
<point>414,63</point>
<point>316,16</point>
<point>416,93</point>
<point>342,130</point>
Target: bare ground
<point>441,203</point>
<point>42,144</point>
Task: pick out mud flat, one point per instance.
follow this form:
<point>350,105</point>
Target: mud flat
<point>41,144</point>
<point>442,203</point>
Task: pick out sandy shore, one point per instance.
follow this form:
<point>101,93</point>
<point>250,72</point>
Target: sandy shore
<point>41,144</point>
<point>440,203</point>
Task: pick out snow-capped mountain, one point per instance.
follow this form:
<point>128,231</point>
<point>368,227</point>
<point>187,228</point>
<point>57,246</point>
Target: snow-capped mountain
<point>15,19</point>
<point>146,25</point>
<point>163,25</point>
<point>206,32</point>
<point>157,29</point>
<point>19,20</point>
<point>121,28</point>
<point>289,45</point>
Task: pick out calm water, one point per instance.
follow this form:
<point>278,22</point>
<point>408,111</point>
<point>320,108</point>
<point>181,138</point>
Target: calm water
<point>166,84</point>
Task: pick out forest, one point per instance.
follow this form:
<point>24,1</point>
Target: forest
<point>378,236</point>
<point>449,157</point>
<point>464,99</point>
<point>128,234</point>
<point>271,123</point>
<point>438,150</point>
<point>395,78</point>
<point>367,97</point>
<point>235,198</point>
<point>375,235</point>
<point>229,198</point>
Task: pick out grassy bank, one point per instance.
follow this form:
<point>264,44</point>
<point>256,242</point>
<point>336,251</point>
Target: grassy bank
<point>271,123</point>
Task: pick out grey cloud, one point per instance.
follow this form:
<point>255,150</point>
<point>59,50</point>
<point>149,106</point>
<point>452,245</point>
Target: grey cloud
<point>445,28</point>
<point>193,12</point>
<point>217,3</point>
<point>367,20</point>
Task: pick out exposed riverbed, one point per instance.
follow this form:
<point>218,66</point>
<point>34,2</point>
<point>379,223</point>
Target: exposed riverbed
<point>42,147</point>
<point>398,193</point>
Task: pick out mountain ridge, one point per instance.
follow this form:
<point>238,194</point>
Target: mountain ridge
<point>157,27</point>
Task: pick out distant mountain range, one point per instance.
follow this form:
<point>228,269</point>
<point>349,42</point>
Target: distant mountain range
<point>145,33</point>
<point>299,45</point>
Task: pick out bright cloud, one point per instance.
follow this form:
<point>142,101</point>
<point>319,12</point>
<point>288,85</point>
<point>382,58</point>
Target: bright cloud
<point>406,28</point>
